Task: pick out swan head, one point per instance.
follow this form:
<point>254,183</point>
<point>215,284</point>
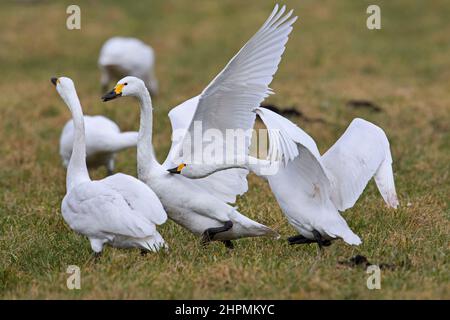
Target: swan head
<point>128,86</point>
<point>65,88</point>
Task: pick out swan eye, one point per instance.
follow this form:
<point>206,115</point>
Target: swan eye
<point>126,83</point>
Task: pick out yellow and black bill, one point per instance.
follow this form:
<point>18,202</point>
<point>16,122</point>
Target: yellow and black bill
<point>114,93</point>
<point>178,169</point>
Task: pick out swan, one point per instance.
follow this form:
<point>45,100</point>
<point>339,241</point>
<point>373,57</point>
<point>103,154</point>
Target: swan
<point>312,189</point>
<point>119,210</point>
<point>103,141</point>
<point>227,102</point>
<point>186,202</point>
<point>122,56</point>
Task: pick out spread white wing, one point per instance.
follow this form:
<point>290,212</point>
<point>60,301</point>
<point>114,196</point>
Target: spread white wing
<point>360,153</point>
<point>284,136</point>
<point>228,103</point>
<point>180,119</point>
<point>301,185</point>
<point>301,158</point>
<point>229,100</point>
<point>225,185</point>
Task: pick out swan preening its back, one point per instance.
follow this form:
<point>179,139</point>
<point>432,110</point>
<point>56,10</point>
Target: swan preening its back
<point>119,210</point>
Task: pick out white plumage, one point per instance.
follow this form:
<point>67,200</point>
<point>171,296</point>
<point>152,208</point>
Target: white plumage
<point>227,103</point>
<point>311,189</point>
<point>103,141</point>
<point>188,202</point>
<point>225,185</point>
<point>123,56</point>
<point>119,210</point>
<point>229,100</point>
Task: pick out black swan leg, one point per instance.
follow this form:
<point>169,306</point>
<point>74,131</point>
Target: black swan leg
<point>320,240</point>
<point>299,239</point>
<point>228,244</point>
<point>208,234</point>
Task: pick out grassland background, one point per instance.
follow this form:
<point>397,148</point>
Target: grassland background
<point>331,57</point>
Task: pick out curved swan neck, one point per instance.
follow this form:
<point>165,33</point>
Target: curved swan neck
<point>77,171</point>
<point>145,156</point>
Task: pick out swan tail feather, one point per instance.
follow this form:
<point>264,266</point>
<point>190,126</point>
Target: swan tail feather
<point>154,243</point>
<point>343,231</point>
<point>254,228</point>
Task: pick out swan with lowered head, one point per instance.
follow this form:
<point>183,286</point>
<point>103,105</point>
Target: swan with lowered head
<point>226,103</point>
<point>126,56</point>
<point>119,210</point>
<point>103,141</point>
<point>311,188</point>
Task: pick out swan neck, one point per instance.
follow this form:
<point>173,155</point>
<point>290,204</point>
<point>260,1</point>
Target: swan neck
<point>145,156</point>
<point>77,171</point>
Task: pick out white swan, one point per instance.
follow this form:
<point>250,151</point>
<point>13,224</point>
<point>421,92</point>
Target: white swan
<point>103,141</point>
<point>186,202</point>
<point>123,56</point>
<point>119,210</point>
<point>226,103</point>
<point>311,189</point>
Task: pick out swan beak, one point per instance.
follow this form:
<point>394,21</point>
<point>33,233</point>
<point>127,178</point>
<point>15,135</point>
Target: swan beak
<point>174,170</point>
<point>111,95</point>
<point>54,80</point>
<point>178,169</point>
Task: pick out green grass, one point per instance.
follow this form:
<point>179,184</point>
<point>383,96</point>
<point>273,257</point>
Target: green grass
<point>331,57</point>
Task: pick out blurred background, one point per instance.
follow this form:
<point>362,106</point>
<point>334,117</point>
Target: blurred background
<point>331,60</point>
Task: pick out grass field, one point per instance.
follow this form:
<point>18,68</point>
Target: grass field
<point>331,58</point>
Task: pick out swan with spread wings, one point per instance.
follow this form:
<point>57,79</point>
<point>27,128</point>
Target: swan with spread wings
<point>226,103</point>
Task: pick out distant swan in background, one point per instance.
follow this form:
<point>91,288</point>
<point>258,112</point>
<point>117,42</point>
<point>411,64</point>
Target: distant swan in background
<point>122,56</point>
<point>103,141</point>
<point>119,210</point>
